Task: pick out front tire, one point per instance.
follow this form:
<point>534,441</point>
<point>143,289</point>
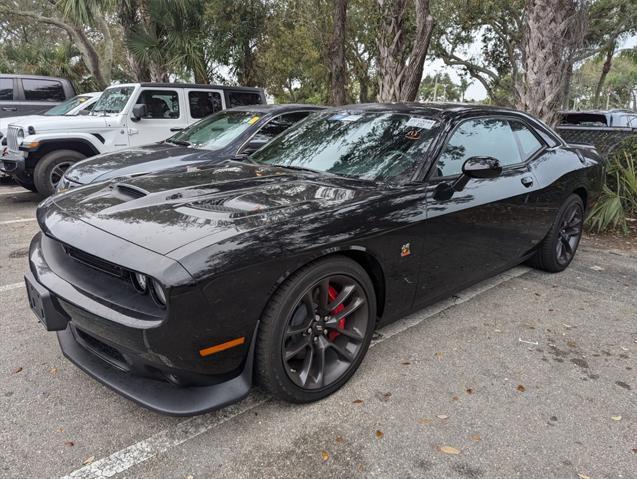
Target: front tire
<point>316,330</point>
<point>51,167</point>
<point>557,250</point>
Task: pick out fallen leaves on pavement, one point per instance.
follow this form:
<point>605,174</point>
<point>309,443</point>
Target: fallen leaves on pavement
<point>88,460</point>
<point>449,450</point>
<point>521,388</point>
<point>325,455</point>
<point>379,434</point>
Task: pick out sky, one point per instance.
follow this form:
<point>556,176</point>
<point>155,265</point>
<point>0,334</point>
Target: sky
<point>476,91</point>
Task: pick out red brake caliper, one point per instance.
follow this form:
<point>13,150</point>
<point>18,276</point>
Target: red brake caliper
<point>332,294</point>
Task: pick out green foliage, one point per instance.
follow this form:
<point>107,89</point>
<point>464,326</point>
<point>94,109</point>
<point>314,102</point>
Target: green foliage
<point>618,200</point>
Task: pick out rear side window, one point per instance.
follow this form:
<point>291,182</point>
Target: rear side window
<point>204,103</point>
<point>239,98</point>
<point>42,90</point>
<point>6,89</point>
<point>528,142</point>
<point>160,104</point>
<point>478,137</point>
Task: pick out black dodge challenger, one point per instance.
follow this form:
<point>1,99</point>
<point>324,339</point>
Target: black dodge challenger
<point>181,291</point>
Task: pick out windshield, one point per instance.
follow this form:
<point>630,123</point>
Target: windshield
<point>67,106</point>
<point>372,146</point>
<point>216,131</point>
<point>113,100</point>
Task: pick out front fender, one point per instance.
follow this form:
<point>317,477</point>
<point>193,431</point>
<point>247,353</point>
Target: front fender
<point>38,142</point>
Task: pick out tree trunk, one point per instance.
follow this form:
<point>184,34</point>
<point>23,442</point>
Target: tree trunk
<point>337,66</point>
<point>399,71</point>
<point>605,70</point>
<point>545,41</point>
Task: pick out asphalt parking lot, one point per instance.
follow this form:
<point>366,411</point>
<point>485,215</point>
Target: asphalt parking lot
<point>524,375</point>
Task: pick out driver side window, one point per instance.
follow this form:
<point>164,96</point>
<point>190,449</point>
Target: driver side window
<point>478,137</point>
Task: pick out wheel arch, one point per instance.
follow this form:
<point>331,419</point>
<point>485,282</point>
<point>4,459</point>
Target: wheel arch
<point>583,194</point>
<point>76,144</point>
<point>359,255</point>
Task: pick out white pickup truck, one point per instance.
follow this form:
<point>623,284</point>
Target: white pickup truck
<point>41,149</point>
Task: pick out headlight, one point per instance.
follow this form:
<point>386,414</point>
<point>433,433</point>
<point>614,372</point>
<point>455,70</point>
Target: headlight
<point>159,294</point>
<point>140,281</point>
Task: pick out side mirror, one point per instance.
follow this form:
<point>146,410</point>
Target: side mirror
<point>477,167</point>
<point>84,112</point>
<point>481,167</point>
<point>139,112</point>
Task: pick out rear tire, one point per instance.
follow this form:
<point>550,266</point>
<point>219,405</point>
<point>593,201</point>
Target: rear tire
<point>51,167</point>
<point>329,349</point>
<point>558,248</point>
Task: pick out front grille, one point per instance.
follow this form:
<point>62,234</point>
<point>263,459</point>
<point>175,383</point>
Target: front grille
<point>95,262</point>
<point>12,138</point>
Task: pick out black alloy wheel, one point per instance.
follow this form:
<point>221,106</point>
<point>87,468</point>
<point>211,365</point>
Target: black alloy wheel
<point>316,330</point>
<point>325,332</point>
<point>558,248</point>
<point>570,232</point>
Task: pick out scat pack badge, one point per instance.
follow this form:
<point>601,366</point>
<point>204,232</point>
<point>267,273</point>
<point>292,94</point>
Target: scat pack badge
<point>405,250</point>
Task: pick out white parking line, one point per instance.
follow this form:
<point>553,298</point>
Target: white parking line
<point>20,220</point>
<point>16,192</point>
<point>141,451</point>
<point>9,287</point>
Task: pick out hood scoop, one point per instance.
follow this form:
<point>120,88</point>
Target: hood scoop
<point>128,192</point>
<point>217,205</point>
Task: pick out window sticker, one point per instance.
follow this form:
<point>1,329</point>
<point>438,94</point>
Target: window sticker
<point>253,120</point>
<point>423,123</point>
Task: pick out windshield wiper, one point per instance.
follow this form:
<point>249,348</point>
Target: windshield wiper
<point>301,168</point>
<point>178,142</point>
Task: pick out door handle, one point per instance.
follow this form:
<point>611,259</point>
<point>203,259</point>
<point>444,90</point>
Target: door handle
<point>9,108</point>
<point>527,181</point>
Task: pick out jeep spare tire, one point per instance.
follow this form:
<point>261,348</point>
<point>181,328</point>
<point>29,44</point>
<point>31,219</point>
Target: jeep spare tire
<point>51,167</point>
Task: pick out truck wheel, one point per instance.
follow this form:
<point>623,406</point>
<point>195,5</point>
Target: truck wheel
<point>51,167</point>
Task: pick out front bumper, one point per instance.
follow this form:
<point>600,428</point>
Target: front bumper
<point>128,357</point>
<point>14,165</point>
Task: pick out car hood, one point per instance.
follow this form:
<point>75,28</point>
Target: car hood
<point>165,212</point>
<point>45,124</point>
<point>21,120</point>
<point>136,161</point>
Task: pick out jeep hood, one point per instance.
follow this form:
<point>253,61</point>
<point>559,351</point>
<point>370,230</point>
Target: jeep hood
<point>165,212</point>
<point>47,124</point>
<point>136,161</point>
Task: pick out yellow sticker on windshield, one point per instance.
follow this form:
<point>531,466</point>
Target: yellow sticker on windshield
<point>253,120</point>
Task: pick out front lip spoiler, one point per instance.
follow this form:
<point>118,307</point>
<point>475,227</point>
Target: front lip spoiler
<point>156,395</point>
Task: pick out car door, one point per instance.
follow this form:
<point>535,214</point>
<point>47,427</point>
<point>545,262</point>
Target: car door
<point>8,98</point>
<point>490,224</point>
<point>164,116</point>
<point>40,94</point>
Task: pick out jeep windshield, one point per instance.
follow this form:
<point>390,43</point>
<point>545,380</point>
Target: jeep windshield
<point>67,106</point>
<point>113,100</point>
<point>216,131</point>
<point>365,145</point>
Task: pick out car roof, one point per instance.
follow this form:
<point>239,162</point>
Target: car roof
<point>199,85</point>
<point>425,109</point>
<point>276,108</point>
<point>35,77</point>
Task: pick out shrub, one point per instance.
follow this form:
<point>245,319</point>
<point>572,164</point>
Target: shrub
<point>618,201</point>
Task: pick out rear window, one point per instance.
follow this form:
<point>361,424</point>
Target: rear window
<point>42,90</point>
<point>6,89</point>
<point>584,119</point>
<point>240,98</point>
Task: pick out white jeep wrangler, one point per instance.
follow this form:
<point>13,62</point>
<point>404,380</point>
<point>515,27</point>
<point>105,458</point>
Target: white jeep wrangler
<point>41,149</point>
